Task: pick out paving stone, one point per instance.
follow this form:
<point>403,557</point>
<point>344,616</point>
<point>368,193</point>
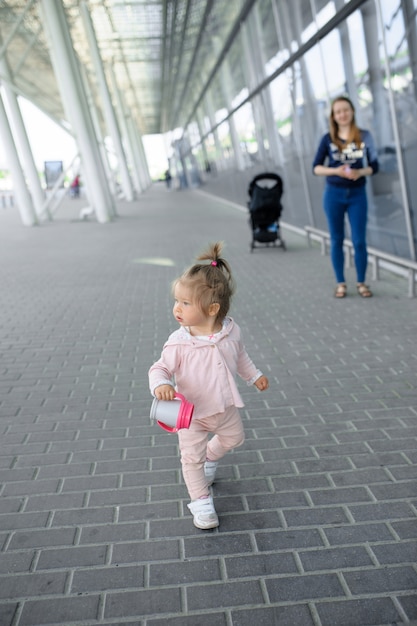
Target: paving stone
<point>299,588</point>
<point>143,602</point>
<point>406,529</point>
<point>258,565</point>
<point>215,596</point>
<point>334,558</point>
<point>33,584</point>
<point>197,619</point>
<point>409,604</point>
<point>315,516</point>
<point>358,533</point>
<point>381,511</point>
<point>343,495</point>
<point>23,520</point>
<point>71,557</point>
<point>60,610</point>
<point>182,573</point>
<point>108,578</point>
<point>395,491</point>
<point>383,580</point>
<point>146,551</point>
<point>42,538</point>
<point>373,612</point>
<point>271,616</point>
<point>7,612</point>
<point>81,517</point>
<point>277,500</point>
<point>14,562</point>
<point>56,501</point>
<point>288,539</point>
<point>398,552</point>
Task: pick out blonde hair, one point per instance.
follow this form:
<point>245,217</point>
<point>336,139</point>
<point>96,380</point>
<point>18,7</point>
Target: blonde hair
<point>354,134</point>
<point>210,282</point>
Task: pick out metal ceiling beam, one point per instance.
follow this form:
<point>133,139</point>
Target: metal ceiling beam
<point>207,11</point>
<point>25,55</point>
<point>173,85</point>
<point>15,27</point>
<point>171,53</point>
<point>163,62</point>
<point>246,9</point>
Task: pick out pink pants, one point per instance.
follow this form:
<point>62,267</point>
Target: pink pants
<point>195,446</point>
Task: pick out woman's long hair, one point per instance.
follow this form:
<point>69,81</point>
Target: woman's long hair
<point>354,134</point>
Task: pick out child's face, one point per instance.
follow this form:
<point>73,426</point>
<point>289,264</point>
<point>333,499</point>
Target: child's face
<point>185,309</point>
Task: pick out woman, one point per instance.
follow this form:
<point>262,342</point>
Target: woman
<point>344,147</point>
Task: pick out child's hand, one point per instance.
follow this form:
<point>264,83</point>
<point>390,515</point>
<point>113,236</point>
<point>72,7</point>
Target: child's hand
<point>262,383</point>
<point>164,392</point>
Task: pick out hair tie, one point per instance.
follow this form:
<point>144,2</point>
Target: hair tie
<point>214,263</point>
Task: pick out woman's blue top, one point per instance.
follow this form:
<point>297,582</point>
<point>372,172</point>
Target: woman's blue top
<point>352,155</point>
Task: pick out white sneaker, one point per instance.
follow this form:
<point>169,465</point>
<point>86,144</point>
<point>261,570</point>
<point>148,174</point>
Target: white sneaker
<point>204,513</point>
<point>210,468</point>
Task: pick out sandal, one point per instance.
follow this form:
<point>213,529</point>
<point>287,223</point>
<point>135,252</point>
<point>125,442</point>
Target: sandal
<point>364,291</point>
<point>340,291</point>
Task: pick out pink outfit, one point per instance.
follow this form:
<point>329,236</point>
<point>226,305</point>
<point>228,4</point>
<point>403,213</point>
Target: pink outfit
<point>204,371</point>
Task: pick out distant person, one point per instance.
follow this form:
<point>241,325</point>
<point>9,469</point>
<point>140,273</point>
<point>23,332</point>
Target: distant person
<point>203,357</point>
<point>168,179</point>
<point>75,187</point>
<point>345,147</point>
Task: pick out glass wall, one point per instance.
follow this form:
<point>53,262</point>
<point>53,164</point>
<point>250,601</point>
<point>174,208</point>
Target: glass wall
<point>275,86</point>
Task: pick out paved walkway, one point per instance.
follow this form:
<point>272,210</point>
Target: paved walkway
<point>317,509</point>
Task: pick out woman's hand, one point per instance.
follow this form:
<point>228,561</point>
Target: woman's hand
<point>262,383</point>
<point>164,392</point>
<point>344,171</point>
<point>353,174</point>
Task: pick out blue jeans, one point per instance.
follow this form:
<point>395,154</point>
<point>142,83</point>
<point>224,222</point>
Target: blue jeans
<point>338,201</point>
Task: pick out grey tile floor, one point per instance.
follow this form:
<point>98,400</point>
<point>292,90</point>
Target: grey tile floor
<point>317,508</point>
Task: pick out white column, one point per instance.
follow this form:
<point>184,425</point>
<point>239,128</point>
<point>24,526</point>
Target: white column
<point>20,134</point>
<point>226,82</point>
<point>108,110</point>
<point>251,81</point>
<point>382,121</point>
<point>410,26</point>
<point>74,100</point>
<point>110,174</point>
<point>208,100</point>
<point>275,147</point>
<point>24,201</point>
<point>124,127</point>
<point>351,87</point>
<point>139,150</point>
<point>145,168</point>
<point>396,131</point>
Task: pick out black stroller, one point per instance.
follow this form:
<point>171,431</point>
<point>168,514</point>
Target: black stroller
<point>265,191</point>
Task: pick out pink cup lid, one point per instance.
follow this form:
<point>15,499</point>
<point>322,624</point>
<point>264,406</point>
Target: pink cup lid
<point>185,415</point>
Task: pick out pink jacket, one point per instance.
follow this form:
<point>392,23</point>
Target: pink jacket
<point>204,371</point>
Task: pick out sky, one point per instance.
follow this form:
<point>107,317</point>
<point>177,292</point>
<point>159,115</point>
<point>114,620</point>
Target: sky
<point>49,142</point>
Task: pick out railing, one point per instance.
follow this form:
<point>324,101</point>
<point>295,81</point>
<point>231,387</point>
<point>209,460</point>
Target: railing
<point>375,257</point>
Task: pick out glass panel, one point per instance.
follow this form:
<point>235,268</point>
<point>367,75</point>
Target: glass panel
<point>245,127</point>
<point>349,60</point>
<point>400,31</point>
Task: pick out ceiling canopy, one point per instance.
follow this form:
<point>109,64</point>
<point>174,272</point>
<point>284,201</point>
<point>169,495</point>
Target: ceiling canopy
<point>163,52</point>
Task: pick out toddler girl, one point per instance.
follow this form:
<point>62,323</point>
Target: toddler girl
<point>203,357</point>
